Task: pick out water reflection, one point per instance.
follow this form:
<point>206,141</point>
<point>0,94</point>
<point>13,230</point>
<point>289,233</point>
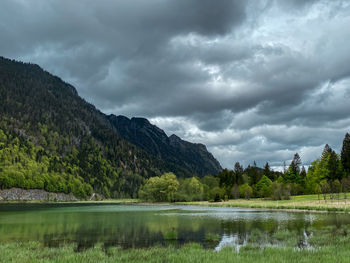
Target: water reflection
<point>145,226</point>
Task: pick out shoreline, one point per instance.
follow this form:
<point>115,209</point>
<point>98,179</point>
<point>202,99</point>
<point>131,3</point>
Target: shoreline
<point>285,205</point>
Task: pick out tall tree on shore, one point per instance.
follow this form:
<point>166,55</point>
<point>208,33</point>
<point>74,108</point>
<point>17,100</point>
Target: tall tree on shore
<point>292,175</point>
<point>267,171</point>
<point>331,163</point>
<point>238,171</point>
<point>253,174</point>
<point>345,154</point>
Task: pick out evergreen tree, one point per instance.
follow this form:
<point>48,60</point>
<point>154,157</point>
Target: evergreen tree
<point>292,175</point>
<point>253,175</point>
<point>238,168</point>
<point>345,153</point>
<point>267,171</point>
<point>331,164</point>
<point>295,165</point>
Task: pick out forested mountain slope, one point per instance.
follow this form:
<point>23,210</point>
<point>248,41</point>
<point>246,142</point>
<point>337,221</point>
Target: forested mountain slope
<point>52,139</point>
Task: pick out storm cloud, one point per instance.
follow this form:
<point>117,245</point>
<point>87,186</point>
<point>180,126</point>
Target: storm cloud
<point>253,80</point>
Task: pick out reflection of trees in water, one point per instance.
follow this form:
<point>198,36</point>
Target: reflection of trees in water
<point>149,228</point>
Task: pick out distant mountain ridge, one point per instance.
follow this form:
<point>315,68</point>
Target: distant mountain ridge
<point>191,156</point>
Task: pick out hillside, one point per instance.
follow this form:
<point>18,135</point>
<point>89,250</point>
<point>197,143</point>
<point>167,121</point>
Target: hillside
<point>191,156</point>
<point>50,138</point>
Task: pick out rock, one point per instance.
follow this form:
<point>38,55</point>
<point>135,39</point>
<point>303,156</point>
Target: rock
<point>18,194</point>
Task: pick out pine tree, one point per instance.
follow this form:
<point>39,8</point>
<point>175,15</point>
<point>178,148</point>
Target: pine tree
<point>295,164</point>
<point>238,172</point>
<point>331,164</point>
<point>267,171</point>
<point>345,154</point>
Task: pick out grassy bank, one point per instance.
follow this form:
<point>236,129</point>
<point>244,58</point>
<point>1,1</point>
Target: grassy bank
<point>301,202</point>
<point>34,252</point>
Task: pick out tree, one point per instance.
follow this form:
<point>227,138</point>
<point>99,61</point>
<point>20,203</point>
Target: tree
<point>238,171</point>
<point>253,174</point>
<point>235,191</point>
<point>295,164</point>
<point>245,191</point>
<point>267,171</point>
<point>302,179</point>
<point>264,187</point>
<point>216,194</point>
<point>345,153</point>
<point>336,188</point>
<point>332,164</point>
<point>190,189</point>
<point>318,191</point>
<point>160,189</point>
<point>209,182</point>
<point>325,188</point>
<point>292,175</point>
<point>227,178</point>
<point>345,185</point>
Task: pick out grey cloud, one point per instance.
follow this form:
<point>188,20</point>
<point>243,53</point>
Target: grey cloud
<point>254,80</point>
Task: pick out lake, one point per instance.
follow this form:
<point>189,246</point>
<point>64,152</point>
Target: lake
<point>142,226</point>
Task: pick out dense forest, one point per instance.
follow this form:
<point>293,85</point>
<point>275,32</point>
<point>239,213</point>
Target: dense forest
<point>328,175</point>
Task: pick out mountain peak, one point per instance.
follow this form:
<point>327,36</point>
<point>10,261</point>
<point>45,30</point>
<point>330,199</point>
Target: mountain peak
<point>140,121</point>
<point>194,157</point>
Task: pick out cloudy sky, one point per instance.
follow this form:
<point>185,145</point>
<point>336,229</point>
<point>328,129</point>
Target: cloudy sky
<point>253,80</point>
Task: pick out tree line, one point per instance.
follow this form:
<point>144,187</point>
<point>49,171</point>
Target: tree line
<point>329,174</point>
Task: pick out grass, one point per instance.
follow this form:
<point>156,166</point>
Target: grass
<point>301,202</point>
<point>212,237</point>
<point>329,244</point>
<point>31,252</point>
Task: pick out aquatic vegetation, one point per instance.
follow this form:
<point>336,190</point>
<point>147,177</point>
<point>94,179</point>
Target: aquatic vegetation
<point>212,237</point>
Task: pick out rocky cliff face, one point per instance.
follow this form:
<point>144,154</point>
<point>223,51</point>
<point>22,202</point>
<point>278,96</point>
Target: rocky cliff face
<point>191,156</point>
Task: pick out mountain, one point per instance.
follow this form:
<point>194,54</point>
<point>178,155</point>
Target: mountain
<point>52,139</point>
<point>192,156</point>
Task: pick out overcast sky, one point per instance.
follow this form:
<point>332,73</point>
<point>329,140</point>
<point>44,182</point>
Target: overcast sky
<point>253,80</point>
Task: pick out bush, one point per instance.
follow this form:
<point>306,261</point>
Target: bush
<point>160,189</point>
<point>264,187</point>
<point>245,191</point>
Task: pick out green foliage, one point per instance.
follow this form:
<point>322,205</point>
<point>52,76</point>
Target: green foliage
<point>327,169</point>
<point>235,191</point>
<point>245,191</point>
<point>280,191</point>
<point>191,189</point>
<point>216,194</point>
<point>27,166</point>
<point>160,189</point>
<point>264,187</point>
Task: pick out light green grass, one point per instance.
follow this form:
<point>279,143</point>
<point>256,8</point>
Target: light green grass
<point>31,252</point>
<point>329,244</point>
<point>301,202</point>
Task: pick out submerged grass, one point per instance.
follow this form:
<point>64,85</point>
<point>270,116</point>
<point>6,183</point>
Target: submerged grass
<point>34,252</point>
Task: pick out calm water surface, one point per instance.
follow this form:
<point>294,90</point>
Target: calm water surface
<point>148,225</point>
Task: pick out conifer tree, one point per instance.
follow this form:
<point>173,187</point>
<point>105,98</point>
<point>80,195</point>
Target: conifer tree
<point>345,154</point>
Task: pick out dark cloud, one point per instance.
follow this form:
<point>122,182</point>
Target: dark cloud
<point>254,80</point>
